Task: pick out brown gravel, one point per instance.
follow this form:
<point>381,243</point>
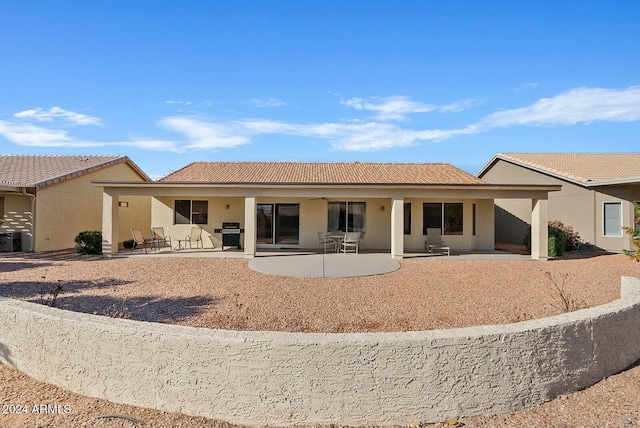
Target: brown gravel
<point>225,293</point>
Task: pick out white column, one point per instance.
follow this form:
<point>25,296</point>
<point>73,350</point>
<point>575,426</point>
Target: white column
<point>397,227</point>
<point>109,224</point>
<point>539,229</point>
<point>250,233</point>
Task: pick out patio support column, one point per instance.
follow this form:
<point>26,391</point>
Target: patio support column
<point>250,216</point>
<point>109,224</point>
<point>397,227</point>
<point>539,229</point>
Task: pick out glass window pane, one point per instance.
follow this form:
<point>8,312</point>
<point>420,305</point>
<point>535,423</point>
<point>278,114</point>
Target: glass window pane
<point>336,216</point>
<point>407,218</point>
<point>612,219</point>
<point>431,216</point>
<point>182,211</point>
<point>265,224</point>
<point>199,212</point>
<point>453,219</point>
<point>287,224</point>
<point>356,216</point>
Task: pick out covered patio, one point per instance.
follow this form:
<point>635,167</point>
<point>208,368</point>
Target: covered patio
<point>280,206</point>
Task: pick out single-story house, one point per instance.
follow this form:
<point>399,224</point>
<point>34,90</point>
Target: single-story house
<point>45,201</point>
<point>286,204</point>
<point>600,193</point>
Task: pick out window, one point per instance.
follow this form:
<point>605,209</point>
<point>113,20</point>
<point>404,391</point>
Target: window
<point>474,219</point>
<point>407,218</point>
<point>448,217</point>
<point>346,216</point>
<point>612,219</point>
<point>191,212</point>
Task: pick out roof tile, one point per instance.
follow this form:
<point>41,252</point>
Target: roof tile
<point>581,167</point>
<point>321,173</point>
<point>39,171</point>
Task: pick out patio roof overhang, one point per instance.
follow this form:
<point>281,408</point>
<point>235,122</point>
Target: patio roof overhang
<point>479,191</point>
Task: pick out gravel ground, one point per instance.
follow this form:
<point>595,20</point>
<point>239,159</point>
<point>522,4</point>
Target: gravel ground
<point>217,293</point>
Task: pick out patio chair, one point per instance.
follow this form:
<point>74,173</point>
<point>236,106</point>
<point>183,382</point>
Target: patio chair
<point>325,241</point>
<point>139,241</point>
<point>195,236</point>
<point>351,242</point>
<point>158,237</point>
<point>434,243</point>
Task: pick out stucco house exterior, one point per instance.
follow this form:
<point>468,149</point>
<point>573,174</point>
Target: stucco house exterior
<point>597,197</point>
<point>45,201</point>
<point>286,204</point>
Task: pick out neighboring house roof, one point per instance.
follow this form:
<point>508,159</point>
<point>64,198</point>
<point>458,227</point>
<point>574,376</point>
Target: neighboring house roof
<point>40,171</point>
<point>587,169</point>
<point>355,173</point>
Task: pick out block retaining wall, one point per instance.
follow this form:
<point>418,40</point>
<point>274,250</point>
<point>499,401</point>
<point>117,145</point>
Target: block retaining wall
<point>284,379</point>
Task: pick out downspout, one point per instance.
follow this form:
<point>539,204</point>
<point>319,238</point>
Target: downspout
<point>33,217</point>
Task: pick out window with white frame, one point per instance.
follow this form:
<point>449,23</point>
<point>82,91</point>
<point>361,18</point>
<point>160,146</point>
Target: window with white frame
<point>448,217</point>
<point>346,216</point>
<point>612,219</point>
<point>191,212</point>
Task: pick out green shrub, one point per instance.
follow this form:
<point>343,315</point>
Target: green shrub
<point>557,242</point>
<point>571,237</point>
<point>89,242</point>
<point>561,238</point>
<point>128,244</point>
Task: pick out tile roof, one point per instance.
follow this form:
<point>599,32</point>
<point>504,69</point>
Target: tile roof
<point>40,171</point>
<point>583,168</point>
<point>321,173</point>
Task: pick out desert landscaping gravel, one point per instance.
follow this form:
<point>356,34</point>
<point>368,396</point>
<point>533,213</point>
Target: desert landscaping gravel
<point>425,293</point>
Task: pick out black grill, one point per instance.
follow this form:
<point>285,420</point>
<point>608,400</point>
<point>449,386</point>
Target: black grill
<point>231,234</point>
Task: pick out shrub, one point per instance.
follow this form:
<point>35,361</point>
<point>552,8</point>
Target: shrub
<point>89,242</point>
<point>557,242</point>
<point>572,237</point>
<point>128,244</point>
<point>561,238</point>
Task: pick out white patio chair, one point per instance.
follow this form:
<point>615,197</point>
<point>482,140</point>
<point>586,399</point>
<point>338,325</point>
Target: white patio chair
<point>325,242</point>
<point>351,242</point>
<point>434,242</point>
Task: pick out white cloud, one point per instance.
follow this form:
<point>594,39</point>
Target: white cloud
<point>398,107</point>
<point>389,108</point>
<point>204,135</point>
<point>581,105</point>
<point>38,136</point>
<point>269,102</point>
<point>54,113</point>
<point>186,103</point>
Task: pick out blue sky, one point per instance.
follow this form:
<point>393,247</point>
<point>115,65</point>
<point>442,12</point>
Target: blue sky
<point>171,82</point>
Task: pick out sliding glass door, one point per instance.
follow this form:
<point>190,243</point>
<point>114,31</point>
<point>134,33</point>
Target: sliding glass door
<point>278,224</point>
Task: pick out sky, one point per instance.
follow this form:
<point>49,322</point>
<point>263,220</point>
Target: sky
<point>168,83</point>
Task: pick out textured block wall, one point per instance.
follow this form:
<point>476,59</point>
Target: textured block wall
<point>297,378</point>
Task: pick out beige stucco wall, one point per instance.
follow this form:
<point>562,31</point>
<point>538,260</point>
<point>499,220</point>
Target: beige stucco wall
<point>576,206</point>
<point>289,379</point>
<point>66,208</point>
<point>17,218</point>
<point>313,219</point>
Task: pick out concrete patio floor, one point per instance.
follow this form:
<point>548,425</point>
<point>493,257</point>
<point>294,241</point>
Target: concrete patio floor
<point>311,264</point>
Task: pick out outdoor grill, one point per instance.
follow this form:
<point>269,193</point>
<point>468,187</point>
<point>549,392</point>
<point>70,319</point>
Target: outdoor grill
<point>230,234</point>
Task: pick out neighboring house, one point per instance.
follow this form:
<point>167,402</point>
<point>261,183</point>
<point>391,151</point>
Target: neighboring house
<point>54,193</point>
<point>285,205</point>
<point>598,195</point>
